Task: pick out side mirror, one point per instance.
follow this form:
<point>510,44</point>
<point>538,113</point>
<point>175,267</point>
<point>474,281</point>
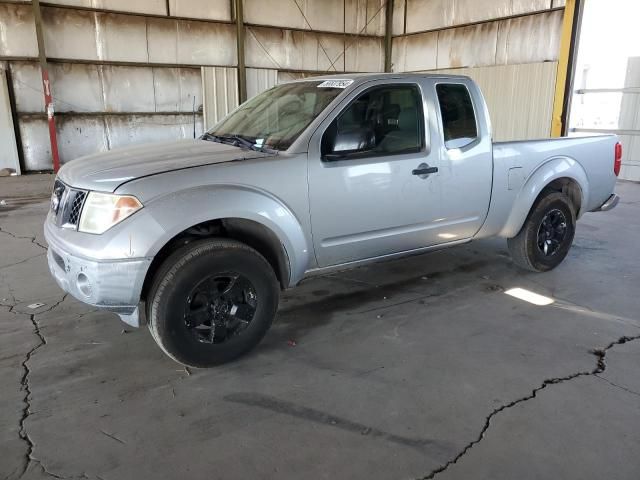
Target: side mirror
<point>353,140</point>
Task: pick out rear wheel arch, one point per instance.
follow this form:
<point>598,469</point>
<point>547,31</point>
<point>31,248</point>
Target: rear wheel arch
<point>567,186</point>
<point>249,232</point>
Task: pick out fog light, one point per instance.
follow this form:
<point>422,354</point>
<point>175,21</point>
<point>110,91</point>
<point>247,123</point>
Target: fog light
<point>84,285</point>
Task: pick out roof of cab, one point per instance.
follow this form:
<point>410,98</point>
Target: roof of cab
<point>365,77</point>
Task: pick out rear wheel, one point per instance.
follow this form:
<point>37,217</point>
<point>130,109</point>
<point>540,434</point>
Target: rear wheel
<point>212,301</point>
<point>547,234</point>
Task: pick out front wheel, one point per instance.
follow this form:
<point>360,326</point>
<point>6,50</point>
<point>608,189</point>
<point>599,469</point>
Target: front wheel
<point>212,301</point>
<point>547,234</point>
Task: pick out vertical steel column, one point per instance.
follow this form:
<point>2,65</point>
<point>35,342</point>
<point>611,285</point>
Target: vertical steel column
<point>567,44</point>
<point>388,38</point>
<point>242,73</point>
<point>46,85</point>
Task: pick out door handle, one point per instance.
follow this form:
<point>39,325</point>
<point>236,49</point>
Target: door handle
<point>424,170</point>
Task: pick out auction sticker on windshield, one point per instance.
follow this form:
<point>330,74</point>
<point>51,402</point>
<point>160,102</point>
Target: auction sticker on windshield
<point>335,84</point>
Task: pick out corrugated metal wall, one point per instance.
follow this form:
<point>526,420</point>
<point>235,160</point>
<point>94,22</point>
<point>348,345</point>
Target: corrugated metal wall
<point>519,97</point>
<point>8,147</point>
<point>630,120</point>
<point>126,71</point>
<point>509,46</point>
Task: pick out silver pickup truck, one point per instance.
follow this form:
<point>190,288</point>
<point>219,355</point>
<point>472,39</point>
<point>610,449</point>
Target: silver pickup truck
<point>196,238</point>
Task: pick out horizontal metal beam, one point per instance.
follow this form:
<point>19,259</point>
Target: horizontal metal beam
<point>75,61</point>
<point>481,22</point>
<point>616,131</point>
<point>583,91</point>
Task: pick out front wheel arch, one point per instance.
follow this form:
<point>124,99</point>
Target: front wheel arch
<point>251,233</point>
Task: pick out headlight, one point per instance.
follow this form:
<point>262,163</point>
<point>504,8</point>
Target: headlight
<point>102,211</point>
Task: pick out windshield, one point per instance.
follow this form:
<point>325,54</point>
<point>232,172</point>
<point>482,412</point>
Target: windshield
<point>276,117</point>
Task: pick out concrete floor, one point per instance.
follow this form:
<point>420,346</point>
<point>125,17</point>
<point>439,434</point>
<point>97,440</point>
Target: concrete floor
<point>417,368</point>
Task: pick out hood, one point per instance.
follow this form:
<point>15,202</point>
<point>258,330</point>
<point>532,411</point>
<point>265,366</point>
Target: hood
<point>108,170</point>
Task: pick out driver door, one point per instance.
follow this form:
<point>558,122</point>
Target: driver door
<point>374,185</point>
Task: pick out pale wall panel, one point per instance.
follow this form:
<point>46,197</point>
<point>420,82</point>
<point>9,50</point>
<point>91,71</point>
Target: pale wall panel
<point>8,148</point>
<point>259,80</point>
<point>220,87</point>
<point>97,88</point>
<point>630,120</point>
<point>325,15</point>
<point>17,31</point>
<point>468,46</point>
<point>80,135</point>
<point>528,39</point>
<point>415,52</point>
<point>157,7</point>
<point>350,16</point>
<point>519,97</point>
<point>365,16</point>
<point>288,49</point>
<point>86,35</point>
<point>534,38</point>
<point>433,14</point>
<point>206,9</point>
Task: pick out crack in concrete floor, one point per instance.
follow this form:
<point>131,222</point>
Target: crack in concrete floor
<point>600,367</point>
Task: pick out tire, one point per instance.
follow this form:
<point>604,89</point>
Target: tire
<point>202,296</point>
<point>528,248</point>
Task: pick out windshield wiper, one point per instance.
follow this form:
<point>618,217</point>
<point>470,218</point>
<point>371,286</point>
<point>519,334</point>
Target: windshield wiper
<point>238,141</point>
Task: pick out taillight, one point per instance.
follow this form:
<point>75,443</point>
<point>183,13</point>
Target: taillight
<point>617,163</point>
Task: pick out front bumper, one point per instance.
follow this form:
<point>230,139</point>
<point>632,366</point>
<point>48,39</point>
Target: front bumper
<point>610,204</point>
<point>113,285</point>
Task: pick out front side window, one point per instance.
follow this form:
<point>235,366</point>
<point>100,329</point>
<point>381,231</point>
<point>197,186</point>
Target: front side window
<point>275,118</point>
<point>381,121</point>
<point>458,118</point>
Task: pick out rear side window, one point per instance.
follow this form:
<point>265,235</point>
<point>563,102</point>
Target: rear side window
<point>458,117</point>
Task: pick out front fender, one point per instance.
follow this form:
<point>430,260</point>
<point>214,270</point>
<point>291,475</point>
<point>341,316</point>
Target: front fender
<point>164,217</point>
<point>543,175</point>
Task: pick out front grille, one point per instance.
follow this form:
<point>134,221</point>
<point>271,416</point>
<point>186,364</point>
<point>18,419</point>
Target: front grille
<point>76,207</point>
<point>66,204</point>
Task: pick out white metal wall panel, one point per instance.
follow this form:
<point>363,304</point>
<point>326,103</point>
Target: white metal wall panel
<point>36,149</point>
<point>325,15</point>
<point>350,16</point>
<point>192,43</point>
<point>415,52</point>
<point>27,86</point>
<point>209,9</point>
<point>529,39</point>
<point>259,80</point>
<point>435,14</point>
<point>81,135</point>
<point>534,38</point>
<point>17,31</point>
<point>398,17</point>
<point>220,90</point>
<point>134,129</point>
<point>86,35</point>
<point>8,148</point>
<point>630,120</point>
<point>468,46</point>
<point>176,88</point>
<point>519,97</point>
<point>364,16</point>
<point>97,88</point>
<point>289,49</point>
<point>156,7</point>
<point>365,54</point>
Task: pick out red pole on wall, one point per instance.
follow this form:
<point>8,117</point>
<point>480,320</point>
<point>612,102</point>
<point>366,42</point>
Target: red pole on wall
<point>48,105</point>
<point>46,86</point>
